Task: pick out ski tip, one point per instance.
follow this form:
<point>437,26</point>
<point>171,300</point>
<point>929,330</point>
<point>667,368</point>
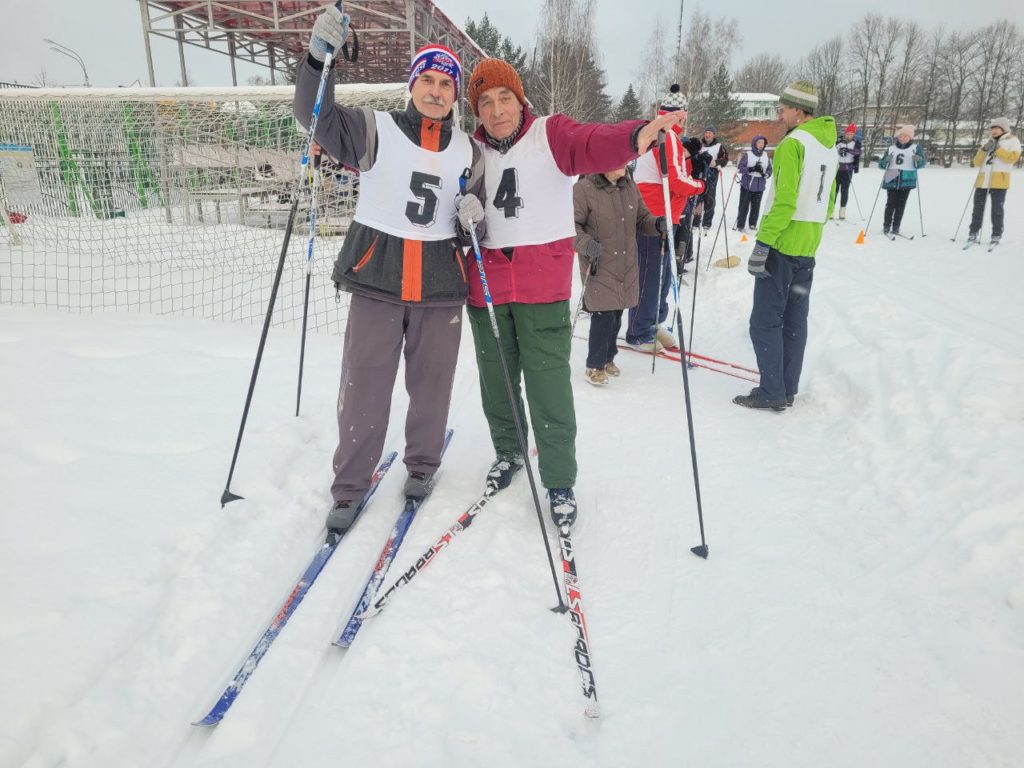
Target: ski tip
<point>228,496</point>
<point>343,643</point>
<point>209,721</point>
<point>701,551</point>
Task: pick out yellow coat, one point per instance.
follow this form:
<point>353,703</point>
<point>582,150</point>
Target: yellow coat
<point>994,167</point>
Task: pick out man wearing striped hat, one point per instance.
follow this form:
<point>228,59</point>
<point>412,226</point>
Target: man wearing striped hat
<point>401,262</point>
<point>799,202</point>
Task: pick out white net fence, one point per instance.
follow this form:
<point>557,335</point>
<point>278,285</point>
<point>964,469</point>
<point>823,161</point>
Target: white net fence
<point>168,201</point>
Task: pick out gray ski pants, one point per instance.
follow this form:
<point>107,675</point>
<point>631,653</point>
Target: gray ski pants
<point>374,340</point>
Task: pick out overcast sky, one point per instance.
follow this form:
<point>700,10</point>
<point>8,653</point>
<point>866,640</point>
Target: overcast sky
<point>107,33</point>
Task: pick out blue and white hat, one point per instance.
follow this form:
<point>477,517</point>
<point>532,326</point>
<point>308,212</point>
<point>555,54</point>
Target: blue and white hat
<point>438,58</point>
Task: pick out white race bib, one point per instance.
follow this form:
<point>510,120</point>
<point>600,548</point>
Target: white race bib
<point>816,177</point>
<point>529,200</point>
<point>410,191</point>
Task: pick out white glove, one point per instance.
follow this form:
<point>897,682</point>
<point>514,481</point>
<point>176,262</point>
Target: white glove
<point>470,211</point>
<point>329,33</point>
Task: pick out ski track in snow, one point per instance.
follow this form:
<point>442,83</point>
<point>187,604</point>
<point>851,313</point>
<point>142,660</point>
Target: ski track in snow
<point>860,605</point>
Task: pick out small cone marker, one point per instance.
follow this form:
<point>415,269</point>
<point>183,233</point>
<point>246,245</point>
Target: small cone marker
<point>743,239</point>
<point>860,238</point>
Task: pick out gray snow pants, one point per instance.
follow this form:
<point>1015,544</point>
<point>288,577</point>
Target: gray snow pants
<point>374,340</point>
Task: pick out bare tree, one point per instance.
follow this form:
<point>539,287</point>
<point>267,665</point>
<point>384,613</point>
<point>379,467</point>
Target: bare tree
<point>957,63</point>
<point>928,84</point>
<point>42,78</point>
<point>862,72</point>
<point>565,75</point>
<point>913,42</point>
<point>765,73</point>
<point>653,75</point>
<point>883,53</point>
<point>989,80</point>
<point>708,44</point>
<point>823,66</point>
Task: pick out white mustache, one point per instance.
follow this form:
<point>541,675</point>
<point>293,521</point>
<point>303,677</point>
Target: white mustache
<point>432,100</point>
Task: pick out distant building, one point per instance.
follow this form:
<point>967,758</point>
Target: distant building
<point>757,106</point>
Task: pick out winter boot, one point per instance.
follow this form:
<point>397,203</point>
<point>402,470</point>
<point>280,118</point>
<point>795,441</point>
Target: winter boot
<point>341,517</point>
<point>502,471</point>
<point>418,485</point>
<point>666,339</point>
<point>885,231</point>
<point>842,212</point>
<point>650,347</point>
<point>563,507</point>
<point>972,237</point>
<point>611,369</point>
<point>596,376</point>
<point>758,401</point>
<point>790,399</point>
<point>994,241</point>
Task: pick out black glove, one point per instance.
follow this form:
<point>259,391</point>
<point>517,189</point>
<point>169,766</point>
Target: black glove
<point>593,253</point>
<point>698,165</point>
<point>989,145</point>
<point>693,146</point>
<point>659,224</point>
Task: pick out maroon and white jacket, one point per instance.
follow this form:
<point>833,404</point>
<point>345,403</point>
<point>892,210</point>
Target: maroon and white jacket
<point>528,247</point>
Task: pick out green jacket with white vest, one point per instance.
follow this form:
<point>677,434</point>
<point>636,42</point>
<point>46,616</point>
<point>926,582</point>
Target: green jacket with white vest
<point>778,229</point>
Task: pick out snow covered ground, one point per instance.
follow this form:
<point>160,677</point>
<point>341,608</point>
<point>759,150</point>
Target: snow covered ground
<point>863,603</point>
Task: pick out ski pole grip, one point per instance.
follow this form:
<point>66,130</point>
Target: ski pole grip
<point>462,181</point>
<point>662,155</point>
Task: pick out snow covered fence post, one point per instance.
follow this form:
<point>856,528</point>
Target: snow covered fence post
<point>702,549</point>
<point>524,448</point>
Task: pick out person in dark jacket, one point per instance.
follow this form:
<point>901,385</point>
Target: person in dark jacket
<point>849,163</point>
<point>901,162</point>
<point>609,213</point>
<point>401,261</point>
<point>755,168</point>
<point>716,157</point>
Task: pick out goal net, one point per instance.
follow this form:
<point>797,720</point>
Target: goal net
<point>168,201</point>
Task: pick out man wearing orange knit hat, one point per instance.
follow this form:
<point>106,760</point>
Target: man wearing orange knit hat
<point>527,250</point>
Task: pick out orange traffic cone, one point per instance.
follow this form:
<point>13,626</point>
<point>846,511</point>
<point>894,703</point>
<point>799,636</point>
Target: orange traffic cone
<point>860,238</point>
<point>743,239</point>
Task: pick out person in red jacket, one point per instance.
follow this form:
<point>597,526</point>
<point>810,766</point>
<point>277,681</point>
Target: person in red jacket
<point>644,331</point>
<point>527,249</point>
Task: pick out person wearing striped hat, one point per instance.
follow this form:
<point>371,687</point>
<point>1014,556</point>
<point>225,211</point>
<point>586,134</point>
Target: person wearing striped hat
<point>401,261</point>
<point>798,203</point>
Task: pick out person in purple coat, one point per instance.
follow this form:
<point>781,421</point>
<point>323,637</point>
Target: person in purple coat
<point>755,168</point>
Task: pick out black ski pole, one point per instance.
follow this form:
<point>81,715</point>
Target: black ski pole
<point>702,549</point>
<point>721,224</point>
<point>315,188</point>
<point>661,283</point>
<point>228,495</point>
<point>967,204</point>
<point>693,302</point>
<point>872,214</point>
<point>520,435</point>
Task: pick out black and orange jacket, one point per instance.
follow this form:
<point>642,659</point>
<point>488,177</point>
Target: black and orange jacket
<point>374,263</point>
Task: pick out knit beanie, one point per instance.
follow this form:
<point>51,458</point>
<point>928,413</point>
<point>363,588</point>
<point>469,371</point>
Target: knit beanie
<point>673,101</point>
<point>494,73</point>
<point>709,129</point>
<point>802,94</point>
<point>438,58</point>
<point>907,129</point>
<point>851,128</point>
<point>1001,122</point>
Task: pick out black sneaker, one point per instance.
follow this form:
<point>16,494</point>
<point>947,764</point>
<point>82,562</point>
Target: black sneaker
<point>341,517</point>
<point>563,507</point>
<point>500,475</point>
<point>757,400</point>
<point>418,485</point>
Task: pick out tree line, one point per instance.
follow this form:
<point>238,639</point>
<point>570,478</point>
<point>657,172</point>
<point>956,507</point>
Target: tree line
<point>883,71</point>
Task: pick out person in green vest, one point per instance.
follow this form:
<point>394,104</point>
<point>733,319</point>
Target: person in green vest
<point>797,205</point>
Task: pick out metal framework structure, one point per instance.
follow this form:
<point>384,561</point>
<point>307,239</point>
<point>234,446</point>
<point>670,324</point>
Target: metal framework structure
<point>275,33</point>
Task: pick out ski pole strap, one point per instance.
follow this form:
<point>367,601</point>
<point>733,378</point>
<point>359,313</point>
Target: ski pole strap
<point>354,57</point>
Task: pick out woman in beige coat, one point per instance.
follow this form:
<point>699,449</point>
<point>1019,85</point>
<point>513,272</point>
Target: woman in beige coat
<point>609,214</point>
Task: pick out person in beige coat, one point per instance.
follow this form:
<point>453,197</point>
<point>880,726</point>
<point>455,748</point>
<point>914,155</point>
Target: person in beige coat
<point>994,161</point>
<point>609,213</point>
